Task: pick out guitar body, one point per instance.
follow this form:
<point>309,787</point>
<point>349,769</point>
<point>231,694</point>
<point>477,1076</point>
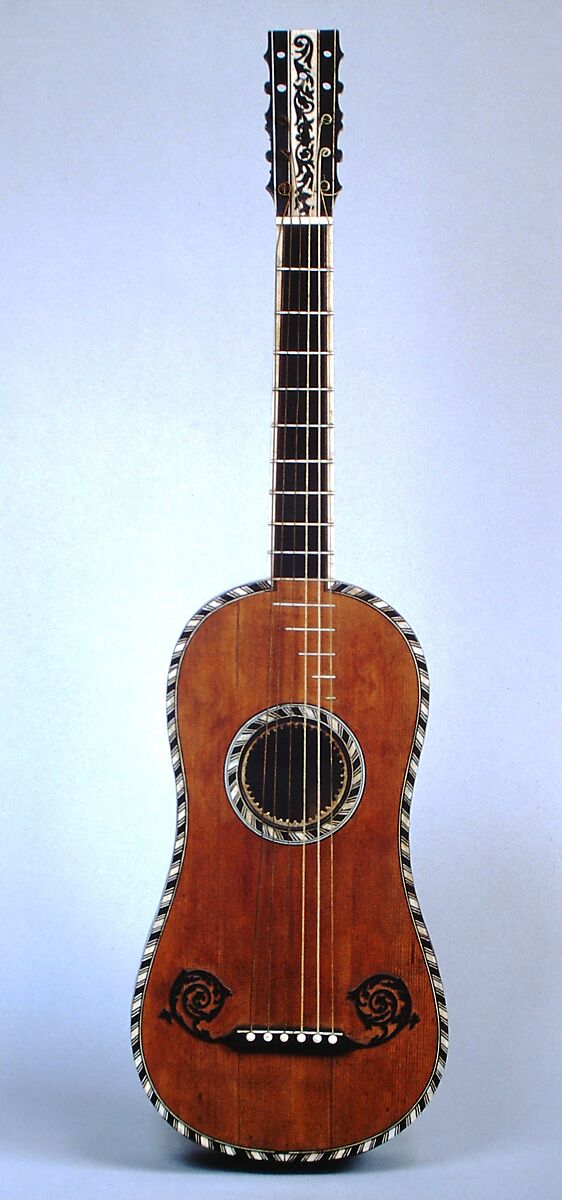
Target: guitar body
<point>288,1002</point>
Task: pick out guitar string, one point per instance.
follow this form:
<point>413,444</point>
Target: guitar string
<point>309,592</point>
<point>298,308</point>
<point>293,305</point>
<point>285,291</point>
<point>272,564</point>
<point>331,516</point>
<point>319,622</point>
<point>306,597</point>
<point>330,507</point>
<point>322,255</point>
<point>284,287</point>
<point>298,390</point>
<point>280,257</point>
<point>284,256</point>
<point>329,119</point>
<point>258,887</point>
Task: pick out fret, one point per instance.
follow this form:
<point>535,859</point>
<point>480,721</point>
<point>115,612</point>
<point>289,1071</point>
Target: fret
<point>311,509</point>
<point>302,332</point>
<point>303,371</point>
<point>300,566</point>
<point>310,628</point>
<point>301,476</point>
<point>292,538</point>
<point>304,290</point>
<point>323,270</point>
<point>297,524</point>
<point>294,406</point>
<point>304,245</point>
<point>296,443</point>
<point>293,312</point>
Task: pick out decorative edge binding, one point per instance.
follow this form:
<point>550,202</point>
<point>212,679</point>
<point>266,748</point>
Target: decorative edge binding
<point>301,1156</point>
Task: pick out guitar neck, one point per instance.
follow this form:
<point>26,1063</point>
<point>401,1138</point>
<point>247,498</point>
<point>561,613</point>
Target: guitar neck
<point>302,482</point>
<point>303,120</point>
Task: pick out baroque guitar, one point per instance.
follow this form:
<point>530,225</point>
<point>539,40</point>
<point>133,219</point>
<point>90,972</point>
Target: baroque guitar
<point>288,1004</point>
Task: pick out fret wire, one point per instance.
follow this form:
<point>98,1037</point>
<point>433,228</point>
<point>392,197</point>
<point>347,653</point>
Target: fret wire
<point>299,604</point>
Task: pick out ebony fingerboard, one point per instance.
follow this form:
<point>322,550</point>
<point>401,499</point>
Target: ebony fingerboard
<point>302,442</point>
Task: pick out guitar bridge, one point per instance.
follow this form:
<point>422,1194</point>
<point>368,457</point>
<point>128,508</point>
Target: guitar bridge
<point>288,1041</point>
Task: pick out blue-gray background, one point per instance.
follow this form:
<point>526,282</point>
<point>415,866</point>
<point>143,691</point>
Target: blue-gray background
<point>137,315</point>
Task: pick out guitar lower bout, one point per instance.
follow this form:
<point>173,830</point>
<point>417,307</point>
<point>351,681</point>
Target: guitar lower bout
<point>288,1005</point>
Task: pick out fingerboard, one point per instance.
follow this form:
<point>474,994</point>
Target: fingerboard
<point>302,513</point>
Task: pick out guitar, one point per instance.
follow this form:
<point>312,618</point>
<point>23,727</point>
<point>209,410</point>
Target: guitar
<point>289,1005</point>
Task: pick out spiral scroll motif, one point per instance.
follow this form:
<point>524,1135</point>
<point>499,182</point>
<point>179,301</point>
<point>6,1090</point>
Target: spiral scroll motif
<point>384,1004</point>
<point>195,996</point>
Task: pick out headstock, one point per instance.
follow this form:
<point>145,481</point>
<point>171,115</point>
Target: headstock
<point>304,120</point>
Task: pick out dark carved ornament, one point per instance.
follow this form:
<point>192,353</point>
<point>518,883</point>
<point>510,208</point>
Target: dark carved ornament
<point>305,103</point>
<point>195,996</point>
<point>384,1005</point>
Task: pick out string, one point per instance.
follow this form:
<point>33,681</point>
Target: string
<point>305,626</point>
<point>284,255</point>
<point>319,611</point>
<point>330,516</point>
<point>321,653</point>
<point>275,448</point>
<point>279,305</point>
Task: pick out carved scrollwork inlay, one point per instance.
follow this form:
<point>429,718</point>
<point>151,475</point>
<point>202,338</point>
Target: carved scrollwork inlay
<point>304,103</point>
<point>384,1005</point>
<point>195,996</point>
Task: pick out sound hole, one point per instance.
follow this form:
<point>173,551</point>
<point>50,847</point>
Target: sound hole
<point>295,772</point>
